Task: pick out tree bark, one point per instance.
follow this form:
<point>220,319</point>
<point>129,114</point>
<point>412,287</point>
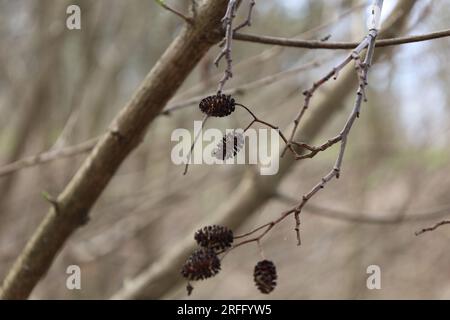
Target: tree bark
<point>72,206</point>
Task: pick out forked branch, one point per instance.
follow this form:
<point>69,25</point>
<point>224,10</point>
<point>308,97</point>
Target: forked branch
<point>362,68</point>
<point>353,56</point>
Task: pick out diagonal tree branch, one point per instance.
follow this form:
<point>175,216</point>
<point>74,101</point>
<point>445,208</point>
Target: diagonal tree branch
<point>124,135</point>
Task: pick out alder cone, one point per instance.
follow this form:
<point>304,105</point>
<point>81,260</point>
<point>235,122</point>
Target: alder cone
<point>265,276</point>
<point>219,105</point>
<point>214,237</point>
<point>202,264</point>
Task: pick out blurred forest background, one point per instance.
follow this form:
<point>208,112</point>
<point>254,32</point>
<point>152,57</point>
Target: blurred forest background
<point>59,88</point>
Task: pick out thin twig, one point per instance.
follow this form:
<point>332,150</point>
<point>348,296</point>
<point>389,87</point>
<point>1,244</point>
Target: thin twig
<point>176,12</point>
<point>48,156</point>
<point>370,218</point>
<point>188,159</point>
<point>432,228</point>
<point>54,202</point>
<point>227,21</point>
<point>256,119</point>
<point>248,21</point>
<point>268,226</point>
<point>313,150</point>
<point>317,44</point>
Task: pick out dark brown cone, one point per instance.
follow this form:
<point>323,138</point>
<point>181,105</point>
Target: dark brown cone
<point>265,276</point>
<point>219,105</point>
<point>202,264</point>
<point>214,237</point>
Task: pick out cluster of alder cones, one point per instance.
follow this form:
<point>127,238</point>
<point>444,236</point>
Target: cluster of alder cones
<point>214,240</point>
<point>205,263</point>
